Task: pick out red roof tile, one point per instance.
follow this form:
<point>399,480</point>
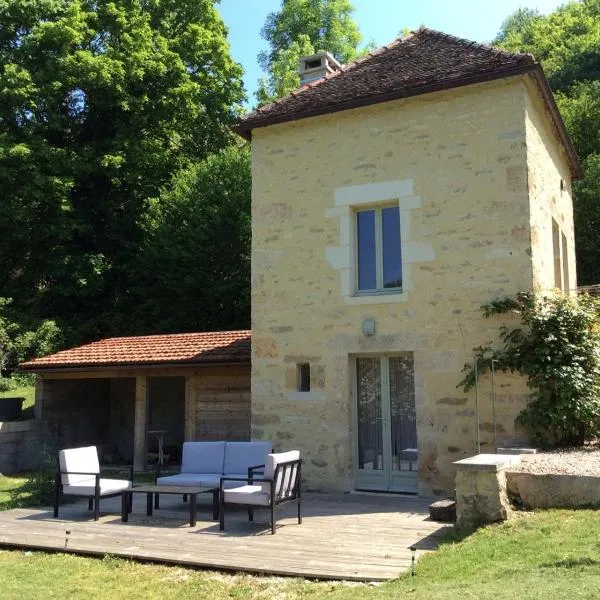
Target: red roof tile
<point>424,61</point>
<point>178,348</point>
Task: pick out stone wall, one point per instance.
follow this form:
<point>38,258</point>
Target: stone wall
<point>550,199</point>
<point>481,495</point>
<point>553,491</point>
<point>456,163</point>
<point>24,445</point>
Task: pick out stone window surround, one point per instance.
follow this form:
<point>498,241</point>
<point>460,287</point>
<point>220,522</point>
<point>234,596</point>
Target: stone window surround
<point>342,257</point>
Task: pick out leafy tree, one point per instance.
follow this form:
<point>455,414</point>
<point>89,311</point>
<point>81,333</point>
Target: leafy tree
<point>195,272</point>
<point>514,29</point>
<point>100,103</point>
<point>557,346</point>
<point>301,28</point>
<point>567,42</point>
<point>18,343</point>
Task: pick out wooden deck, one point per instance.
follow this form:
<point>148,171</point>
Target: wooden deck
<point>351,536</point>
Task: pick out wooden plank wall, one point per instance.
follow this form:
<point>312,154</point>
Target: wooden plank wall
<point>223,403</point>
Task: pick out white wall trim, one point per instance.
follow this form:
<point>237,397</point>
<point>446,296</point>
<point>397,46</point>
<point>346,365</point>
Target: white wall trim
<point>341,257</point>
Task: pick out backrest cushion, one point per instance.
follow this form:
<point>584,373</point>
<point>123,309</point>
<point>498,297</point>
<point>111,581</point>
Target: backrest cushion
<point>202,457</point>
<point>81,460</point>
<point>241,455</point>
<point>283,478</point>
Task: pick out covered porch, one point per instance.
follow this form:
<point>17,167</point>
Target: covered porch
<point>352,537</point>
<point>138,399</point>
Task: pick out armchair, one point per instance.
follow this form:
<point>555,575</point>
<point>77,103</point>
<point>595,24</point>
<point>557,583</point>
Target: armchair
<point>280,484</point>
<point>78,474</point>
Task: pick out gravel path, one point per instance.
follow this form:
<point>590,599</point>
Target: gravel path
<point>584,461</point>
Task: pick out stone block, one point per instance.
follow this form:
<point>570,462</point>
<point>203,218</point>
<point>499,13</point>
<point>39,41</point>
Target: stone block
<point>443,511</point>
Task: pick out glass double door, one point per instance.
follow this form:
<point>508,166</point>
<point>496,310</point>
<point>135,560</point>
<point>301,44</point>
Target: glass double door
<point>386,424</point>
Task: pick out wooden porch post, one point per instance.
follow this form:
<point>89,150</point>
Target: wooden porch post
<point>190,407</point>
<point>39,398</point>
<point>140,428</point>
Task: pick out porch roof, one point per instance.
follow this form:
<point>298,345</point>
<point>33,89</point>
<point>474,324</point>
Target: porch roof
<point>177,348</point>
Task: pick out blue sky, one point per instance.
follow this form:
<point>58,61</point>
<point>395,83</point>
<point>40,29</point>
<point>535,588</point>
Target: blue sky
<point>378,20</point>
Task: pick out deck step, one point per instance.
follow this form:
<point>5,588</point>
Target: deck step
<point>443,511</point>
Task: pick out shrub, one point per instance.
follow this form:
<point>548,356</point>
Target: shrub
<point>557,347</point>
<point>39,487</point>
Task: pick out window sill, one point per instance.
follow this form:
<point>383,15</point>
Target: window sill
<point>381,298</point>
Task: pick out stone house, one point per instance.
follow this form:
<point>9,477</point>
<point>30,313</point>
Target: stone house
<point>391,198</point>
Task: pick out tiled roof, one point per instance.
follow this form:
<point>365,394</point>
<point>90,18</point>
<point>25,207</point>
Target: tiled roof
<point>178,348</point>
<point>423,61</point>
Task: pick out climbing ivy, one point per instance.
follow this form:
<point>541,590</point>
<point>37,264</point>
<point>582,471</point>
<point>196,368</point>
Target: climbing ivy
<point>557,347</point>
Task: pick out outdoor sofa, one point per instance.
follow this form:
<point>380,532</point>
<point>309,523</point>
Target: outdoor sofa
<point>204,463</point>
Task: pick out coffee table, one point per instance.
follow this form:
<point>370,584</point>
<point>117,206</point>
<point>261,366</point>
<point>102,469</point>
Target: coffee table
<point>155,490</point>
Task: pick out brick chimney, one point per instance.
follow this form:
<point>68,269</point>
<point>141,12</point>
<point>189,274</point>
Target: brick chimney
<point>316,66</point>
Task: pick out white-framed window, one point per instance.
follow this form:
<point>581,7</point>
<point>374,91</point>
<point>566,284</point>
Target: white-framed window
<point>378,255</point>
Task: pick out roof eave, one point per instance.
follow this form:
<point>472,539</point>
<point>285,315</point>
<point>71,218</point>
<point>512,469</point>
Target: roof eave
<point>245,130</point>
<point>33,368</point>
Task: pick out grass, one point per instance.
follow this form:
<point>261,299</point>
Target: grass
<point>12,483</point>
<point>27,392</point>
<point>547,555</point>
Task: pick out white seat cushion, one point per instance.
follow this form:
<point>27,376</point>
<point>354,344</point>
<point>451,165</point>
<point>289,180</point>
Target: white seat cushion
<point>247,494</point>
<point>203,479</point>
<point>241,455</point>
<point>87,487</point>
<point>232,484</point>
<point>78,460</point>
<point>203,457</point>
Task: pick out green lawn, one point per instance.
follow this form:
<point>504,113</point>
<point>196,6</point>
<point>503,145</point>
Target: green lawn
<point>27,392</point>
<point>8,483</point>
<point>548,555</point>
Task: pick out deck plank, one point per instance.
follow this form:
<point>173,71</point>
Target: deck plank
<point>353,537</point>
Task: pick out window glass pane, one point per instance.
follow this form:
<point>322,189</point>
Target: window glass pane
<point>403,413</point>
<point>370,421</point>
<point>365,226</point>
<point>392,260</point>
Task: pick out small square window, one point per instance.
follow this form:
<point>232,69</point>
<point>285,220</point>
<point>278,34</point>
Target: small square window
<point>378,250</point>
<point>303,372</point>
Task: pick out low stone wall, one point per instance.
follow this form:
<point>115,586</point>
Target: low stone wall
<point>22,445</point>
<point>481,489</point>
<point>553,491</point>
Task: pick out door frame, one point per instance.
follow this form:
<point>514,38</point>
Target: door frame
<point>386,480</point>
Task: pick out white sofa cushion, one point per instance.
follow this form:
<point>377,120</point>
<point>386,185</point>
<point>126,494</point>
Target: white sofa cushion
<point>87,487</point>
<point>247,494</point>
<point>241,455</point>
<point>78,460</point>
<point>202,457</point>
<point>283,482</point>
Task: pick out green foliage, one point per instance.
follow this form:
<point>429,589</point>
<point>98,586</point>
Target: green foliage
<point>301,28</point>
<point>100,103</point>
<point>18,344</point>
<point>557,347</point>
<point>567,42</point>
<point>39,487</point>
<point>587,220</point>
<point>195,271</point>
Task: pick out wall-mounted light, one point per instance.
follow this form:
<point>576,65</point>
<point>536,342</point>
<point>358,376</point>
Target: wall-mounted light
<point>368,327</point>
